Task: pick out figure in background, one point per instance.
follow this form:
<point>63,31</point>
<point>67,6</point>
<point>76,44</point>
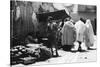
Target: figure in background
<point>79,44</point>
<point>68,34</point>
<point>35,22</point>
<point>89,38</point>
<point>52,36</point>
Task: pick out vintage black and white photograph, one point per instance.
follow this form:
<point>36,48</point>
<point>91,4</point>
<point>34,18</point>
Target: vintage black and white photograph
<point>44,33</point>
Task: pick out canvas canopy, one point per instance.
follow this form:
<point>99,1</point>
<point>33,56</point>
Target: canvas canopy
<point>57,15</point>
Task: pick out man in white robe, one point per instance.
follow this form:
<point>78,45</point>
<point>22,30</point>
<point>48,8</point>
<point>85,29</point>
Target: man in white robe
<point>89,38</point>
<point>79,44</point>
<point>68,33</point>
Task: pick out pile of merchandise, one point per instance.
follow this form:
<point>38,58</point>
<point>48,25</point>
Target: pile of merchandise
<point>29,54</point>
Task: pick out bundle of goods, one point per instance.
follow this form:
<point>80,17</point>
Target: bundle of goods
<point>29,54</point>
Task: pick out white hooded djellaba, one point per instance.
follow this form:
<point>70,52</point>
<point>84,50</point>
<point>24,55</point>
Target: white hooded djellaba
<point>68,33</point>
<point>80,35</point>
<point>80,29</point>
<point>89,39</point>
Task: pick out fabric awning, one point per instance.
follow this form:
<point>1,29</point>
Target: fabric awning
<point>57,15</point>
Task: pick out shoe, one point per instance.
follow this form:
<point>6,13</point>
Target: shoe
<point>83,47</point>
<point>76,46</point>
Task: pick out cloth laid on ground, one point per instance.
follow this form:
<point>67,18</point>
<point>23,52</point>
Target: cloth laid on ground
<point>40,50</point>
<point>28,60</point>
<point>89,38</point>
<point>45,54</point>
<point>30,54</point>
<point>68,33</point>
